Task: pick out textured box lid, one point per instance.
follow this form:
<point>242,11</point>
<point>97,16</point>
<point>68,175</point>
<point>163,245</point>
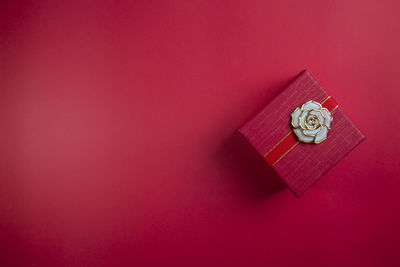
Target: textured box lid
<point>304,163</point>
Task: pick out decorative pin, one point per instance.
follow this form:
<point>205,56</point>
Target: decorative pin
<point>311,122</point>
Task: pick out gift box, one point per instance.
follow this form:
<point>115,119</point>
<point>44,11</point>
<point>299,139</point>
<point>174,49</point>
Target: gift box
<point>302,133</point>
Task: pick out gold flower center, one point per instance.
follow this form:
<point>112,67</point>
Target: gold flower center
<point>312,121</point>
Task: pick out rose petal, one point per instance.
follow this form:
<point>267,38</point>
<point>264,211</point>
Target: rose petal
<point>321,136</point>
<point>311,105</point>
<point>327,116</point>
<point>295,117</point>
<point>302,119</point>
<point>312,132</point>
<point>302,137</point>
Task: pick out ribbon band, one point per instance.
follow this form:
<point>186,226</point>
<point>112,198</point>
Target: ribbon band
<point>289,141</point>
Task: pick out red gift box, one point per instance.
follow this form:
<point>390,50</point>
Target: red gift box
<point>272,133</point>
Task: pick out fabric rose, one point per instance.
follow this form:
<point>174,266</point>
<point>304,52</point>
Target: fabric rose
<point>311,122</point>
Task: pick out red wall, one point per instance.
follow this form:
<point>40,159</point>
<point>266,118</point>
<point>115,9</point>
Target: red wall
<point>117,144</point>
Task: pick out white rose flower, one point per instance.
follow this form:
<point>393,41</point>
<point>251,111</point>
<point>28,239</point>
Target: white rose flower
<point>311,122</point>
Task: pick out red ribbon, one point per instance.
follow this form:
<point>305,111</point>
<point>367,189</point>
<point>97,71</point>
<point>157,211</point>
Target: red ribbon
<point>288,142</point>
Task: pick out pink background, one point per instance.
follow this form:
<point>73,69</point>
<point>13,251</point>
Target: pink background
<point>118,147</point>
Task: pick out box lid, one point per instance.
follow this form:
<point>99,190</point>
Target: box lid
<point>304,163</point>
